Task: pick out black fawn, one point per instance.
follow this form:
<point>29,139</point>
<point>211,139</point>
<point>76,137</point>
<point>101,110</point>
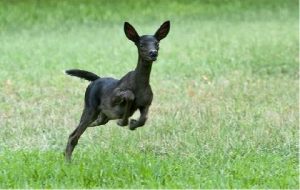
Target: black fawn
<point>108,98</point>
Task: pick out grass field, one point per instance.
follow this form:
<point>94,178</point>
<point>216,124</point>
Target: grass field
<point>226,105</point>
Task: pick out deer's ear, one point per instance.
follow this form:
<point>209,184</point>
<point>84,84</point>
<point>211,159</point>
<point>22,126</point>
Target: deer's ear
<point>131,33</point>
<point>163,31</point>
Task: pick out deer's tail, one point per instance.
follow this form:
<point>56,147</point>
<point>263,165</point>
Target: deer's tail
<point>82,74</point>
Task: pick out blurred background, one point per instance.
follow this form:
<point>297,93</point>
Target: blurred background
<point>225,89</point>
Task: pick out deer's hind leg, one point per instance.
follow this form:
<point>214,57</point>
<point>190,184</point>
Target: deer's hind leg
<point>88,116</point>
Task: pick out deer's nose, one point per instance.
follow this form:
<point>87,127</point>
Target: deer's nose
<point>153,53</point>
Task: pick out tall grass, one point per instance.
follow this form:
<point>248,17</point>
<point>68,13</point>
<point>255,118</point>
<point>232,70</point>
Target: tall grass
<point>225,112</point>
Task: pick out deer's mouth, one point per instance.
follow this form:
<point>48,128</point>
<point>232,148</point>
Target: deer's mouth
<point>153,58</point>
<point>150,58</point>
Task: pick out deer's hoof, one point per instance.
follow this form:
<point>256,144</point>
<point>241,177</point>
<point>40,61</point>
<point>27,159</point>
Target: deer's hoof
<point>133,124</point>
<point>122,122</point>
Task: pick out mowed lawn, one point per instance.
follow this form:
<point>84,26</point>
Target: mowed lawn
<point>225,112</point>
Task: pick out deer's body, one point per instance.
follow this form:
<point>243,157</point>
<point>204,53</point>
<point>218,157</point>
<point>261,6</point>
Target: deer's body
<point>108,98</point>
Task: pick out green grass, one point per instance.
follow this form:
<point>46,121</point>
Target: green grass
<point>132,169</point>
<point>226,94</point>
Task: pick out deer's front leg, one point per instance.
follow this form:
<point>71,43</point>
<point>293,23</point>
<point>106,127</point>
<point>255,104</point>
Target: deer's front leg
<point>126,96</point>
<point>120,96</point>
<point>141,121</point>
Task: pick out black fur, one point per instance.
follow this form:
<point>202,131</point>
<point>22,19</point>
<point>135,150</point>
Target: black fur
<point>108,98</point>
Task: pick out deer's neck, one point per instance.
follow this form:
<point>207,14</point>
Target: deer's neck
<point>142,72</point>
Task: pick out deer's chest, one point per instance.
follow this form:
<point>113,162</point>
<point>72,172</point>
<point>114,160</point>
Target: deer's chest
<point>143,97</point>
